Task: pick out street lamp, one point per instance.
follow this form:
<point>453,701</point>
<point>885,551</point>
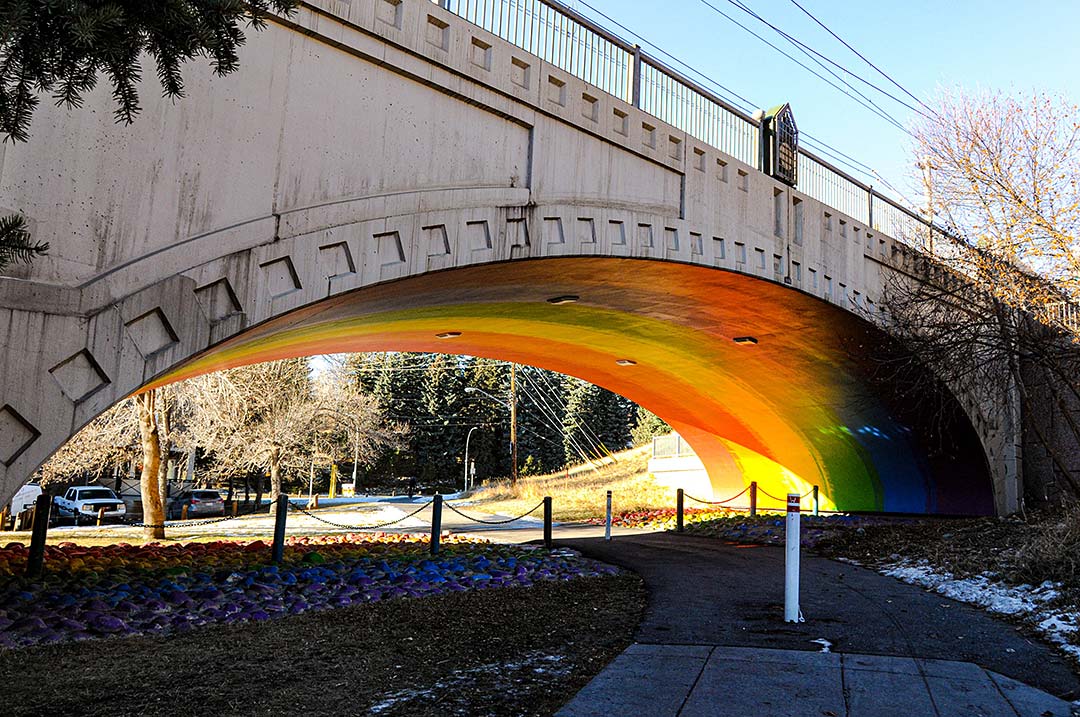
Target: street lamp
<point>512,406</point>
<point>467,437</point>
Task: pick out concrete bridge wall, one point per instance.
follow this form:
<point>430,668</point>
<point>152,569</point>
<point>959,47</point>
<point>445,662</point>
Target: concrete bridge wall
<point>362,142</point>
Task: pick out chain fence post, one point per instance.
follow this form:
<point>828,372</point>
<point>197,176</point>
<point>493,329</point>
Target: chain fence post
<point>791,560</point>
<point>100,516</point>
<point>679,510</point>
<point>607,521</point>
<point>817,503</point>
<point>436,523</point>
<point>753,497</point>
<point>278,552</point>
<point>35,560</point>
<point>547,522</point>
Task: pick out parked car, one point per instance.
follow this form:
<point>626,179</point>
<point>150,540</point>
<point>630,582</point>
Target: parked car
<point>24,498</point>
<point>84,502</point>
<point>200,503</point>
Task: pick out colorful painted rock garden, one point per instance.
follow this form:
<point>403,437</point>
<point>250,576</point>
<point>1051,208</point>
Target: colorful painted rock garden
<point>724,524</point>
<point>116,590</point>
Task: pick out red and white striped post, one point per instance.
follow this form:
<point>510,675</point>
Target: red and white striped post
<point>791,561</point>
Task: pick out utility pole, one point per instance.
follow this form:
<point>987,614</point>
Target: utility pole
<point>513,425</point>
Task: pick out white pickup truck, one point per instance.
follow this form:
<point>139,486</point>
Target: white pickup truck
<point>84,502</point>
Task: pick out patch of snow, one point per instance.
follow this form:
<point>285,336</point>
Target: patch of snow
<point>460,680</point>
<point>1034,604</point>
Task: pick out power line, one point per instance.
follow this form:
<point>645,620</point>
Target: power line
<point>864,58</point>
<point>744,104</point>
<point>808,50</point>
<point>872,107</point>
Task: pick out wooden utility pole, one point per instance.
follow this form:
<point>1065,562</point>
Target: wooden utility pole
<point>513,425</point>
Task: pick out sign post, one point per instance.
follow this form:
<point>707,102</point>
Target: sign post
<point>791,561</point>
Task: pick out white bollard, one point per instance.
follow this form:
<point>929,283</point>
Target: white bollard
<point>791,561</point>
<point>607,523</point>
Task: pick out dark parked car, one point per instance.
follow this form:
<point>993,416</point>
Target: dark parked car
<point>200,503</point>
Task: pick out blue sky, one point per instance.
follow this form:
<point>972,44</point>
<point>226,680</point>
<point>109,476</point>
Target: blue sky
<point>1015,46</point>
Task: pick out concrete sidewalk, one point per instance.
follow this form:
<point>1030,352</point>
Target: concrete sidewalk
<point>713,681</point>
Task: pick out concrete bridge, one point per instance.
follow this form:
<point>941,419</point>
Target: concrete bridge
<point>390,175</point>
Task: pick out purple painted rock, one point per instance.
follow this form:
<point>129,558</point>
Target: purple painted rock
<point>108,625</point>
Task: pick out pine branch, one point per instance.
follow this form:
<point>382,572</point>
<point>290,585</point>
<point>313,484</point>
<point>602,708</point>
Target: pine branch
<point>59,48</point>
<point>16,246</point>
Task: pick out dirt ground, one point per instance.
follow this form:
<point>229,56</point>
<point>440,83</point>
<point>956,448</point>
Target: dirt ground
<point>490,652</point>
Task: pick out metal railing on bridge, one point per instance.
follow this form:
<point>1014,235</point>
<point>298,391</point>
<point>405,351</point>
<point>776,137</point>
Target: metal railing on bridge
<point>572,42</point>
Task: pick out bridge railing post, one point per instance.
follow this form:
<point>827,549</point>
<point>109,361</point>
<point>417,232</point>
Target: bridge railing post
<point>636,87</point>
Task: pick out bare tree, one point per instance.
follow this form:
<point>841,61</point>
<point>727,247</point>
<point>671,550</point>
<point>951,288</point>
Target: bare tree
<point>1003,171</point>
<point>135,429</point>
<point>261,416</point>
<point>986,304</point>
<point>111,438</point>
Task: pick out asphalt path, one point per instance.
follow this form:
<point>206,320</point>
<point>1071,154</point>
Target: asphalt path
<point>704,591</point>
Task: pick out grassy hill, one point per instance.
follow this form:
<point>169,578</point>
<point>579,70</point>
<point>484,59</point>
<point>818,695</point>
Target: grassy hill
<point>581,492</point>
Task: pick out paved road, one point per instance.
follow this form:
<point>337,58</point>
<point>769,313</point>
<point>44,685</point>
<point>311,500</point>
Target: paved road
<point>705,592</point>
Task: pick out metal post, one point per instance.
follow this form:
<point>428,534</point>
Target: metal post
<point>547,522</point>
<point>753,497</point>
<point>679,510</point>
<point>466,461</point>
<point>278,552</point>
<point>817,503</point>
<point>791,561</point>
<point>636,89</point>
<point>436,523</point>
<point>100,515</point>
<point>607,522</point>
<point>36,559</point>
<point>513,425</point>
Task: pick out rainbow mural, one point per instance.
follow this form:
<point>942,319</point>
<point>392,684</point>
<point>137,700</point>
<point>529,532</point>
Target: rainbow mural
<point>790,411</point>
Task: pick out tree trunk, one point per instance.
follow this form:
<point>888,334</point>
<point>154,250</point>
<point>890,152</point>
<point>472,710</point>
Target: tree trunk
<point>164,431</point>
<point>153,511</point>
<point>275,479</point>
<point>259,482</point>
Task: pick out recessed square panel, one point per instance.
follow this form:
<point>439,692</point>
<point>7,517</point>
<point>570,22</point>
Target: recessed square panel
<point>79,376</point>
<point>336,260</point>
<point>16,435</point>
<point>390,249</point>
<point>151,332</point>
<point>281,277</point>
<point>218,300</point>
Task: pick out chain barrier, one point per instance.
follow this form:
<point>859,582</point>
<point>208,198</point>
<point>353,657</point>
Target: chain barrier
<point>779,500</point>
<point>717,502</point>
<point>192,523</point>
<point>345,526</point>
<point>494,522</point>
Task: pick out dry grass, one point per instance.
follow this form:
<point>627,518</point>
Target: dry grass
<point>583,494</point>
<point>507,651</point>
<point>1044,547</point>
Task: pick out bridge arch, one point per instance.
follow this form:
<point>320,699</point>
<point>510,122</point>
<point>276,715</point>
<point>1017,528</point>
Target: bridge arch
<point>354,186</point>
